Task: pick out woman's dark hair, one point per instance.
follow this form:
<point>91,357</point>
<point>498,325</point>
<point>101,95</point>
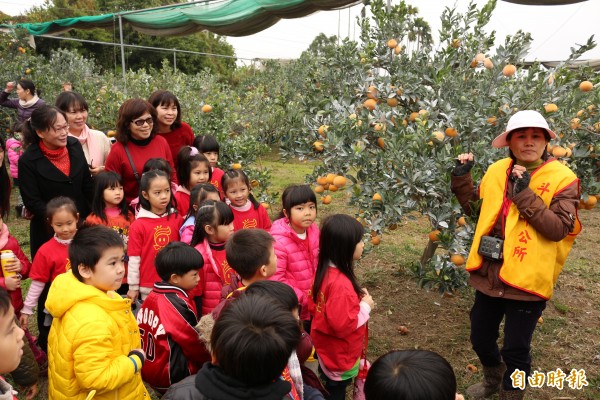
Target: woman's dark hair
<point>88,244</point>
<point>253,339</point>
<point>213,213</point>
<point>340,234</point>
<point>60,202</point>
<point>166,98</point>
<point>71,101</point>
<point>4,184</point>
<point>103,181</point>
<point>198,194</point>
<point>16,127</point>
<point>187,160</point>
<point>206,143</point>
<point>279,291</point>
<point>129,111</point>
<point>410,375</point>
<point>294,195</point>
<point>233,174</point>
<point>42,119</point>
<point>147,178</point>
<point>27,84</point>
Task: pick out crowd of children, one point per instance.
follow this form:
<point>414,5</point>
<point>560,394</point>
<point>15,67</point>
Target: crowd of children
<point>232,305</point>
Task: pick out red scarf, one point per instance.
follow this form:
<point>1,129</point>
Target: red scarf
<point>59,158</point>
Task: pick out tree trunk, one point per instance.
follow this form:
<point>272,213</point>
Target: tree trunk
<point>428,252</point>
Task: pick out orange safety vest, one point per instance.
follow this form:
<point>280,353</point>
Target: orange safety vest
<point>532,263</point>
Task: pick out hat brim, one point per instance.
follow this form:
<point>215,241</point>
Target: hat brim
<point>500,140</point>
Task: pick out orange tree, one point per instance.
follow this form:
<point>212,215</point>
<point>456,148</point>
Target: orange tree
<point>403,110</point>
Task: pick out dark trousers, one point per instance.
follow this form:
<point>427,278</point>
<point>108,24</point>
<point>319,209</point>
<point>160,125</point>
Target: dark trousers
<point>41,318</point>
<point>336,389</point>
<point>520,320</point>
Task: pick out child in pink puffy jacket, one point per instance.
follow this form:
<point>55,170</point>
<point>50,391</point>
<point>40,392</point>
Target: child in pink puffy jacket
<point>297,243</point>
<point>14,150</point>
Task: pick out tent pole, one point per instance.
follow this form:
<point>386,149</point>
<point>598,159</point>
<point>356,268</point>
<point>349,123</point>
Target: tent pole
<point>174,61</point>
<point>122,55</point>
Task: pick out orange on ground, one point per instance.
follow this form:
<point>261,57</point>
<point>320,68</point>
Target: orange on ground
<point>330,178</point>
<point>333,188</point>
<point>321,180</point>
<point>319,189</point>
<point>375,240</point>
<point>326,199</point>
<point>339,181</point>
<point>207,108</point>
<point>591,202</point>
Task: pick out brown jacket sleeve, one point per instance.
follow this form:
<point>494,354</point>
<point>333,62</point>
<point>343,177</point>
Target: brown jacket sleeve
<point>464,190</point>
<point>554,222</point>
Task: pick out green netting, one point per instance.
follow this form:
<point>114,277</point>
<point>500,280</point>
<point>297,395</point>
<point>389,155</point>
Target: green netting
<point>226,17</point>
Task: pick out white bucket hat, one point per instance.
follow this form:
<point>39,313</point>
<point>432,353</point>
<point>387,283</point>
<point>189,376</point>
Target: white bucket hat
<point>522,119</point>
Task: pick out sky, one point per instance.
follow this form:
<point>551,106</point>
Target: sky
<point>554,28</point>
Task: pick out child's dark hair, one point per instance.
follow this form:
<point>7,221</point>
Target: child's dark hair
<point>213,213</point>
<point>279,291</point>
<point>177,258</point>
<point>4,302</point>
<point>206,144</point>
<point>4,184</point>
<point>89,243</point>
<point>103,181</point>
<point>188,158</point>
<point>16,127</point>
<point>294,195</point>
<point>60,202</point>
<point>247,250</point>
<point>340,234</point>
<point>166,98</point>
<point>253,339</point>
<point>410,375</point>
<point>233,174</point>
<point>158,163</point>
<point>147,178</point>
<point>198,194</point>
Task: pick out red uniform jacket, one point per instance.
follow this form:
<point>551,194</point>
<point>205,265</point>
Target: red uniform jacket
<point>182,136</point>
<point>173,349</point>
<point>16,297</point>
<point>253,218</point>
<point>51,260</point>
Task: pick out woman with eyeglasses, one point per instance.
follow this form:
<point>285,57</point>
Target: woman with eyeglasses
<point>52,165</point>
<point>137,142</point>
<point>96,144</point>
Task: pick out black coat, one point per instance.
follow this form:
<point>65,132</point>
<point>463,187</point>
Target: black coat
<point>40,181</point>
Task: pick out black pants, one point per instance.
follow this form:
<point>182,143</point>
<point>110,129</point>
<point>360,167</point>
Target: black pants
<point>520,320</point>
<point>336,389</point>
<point>41,317</point>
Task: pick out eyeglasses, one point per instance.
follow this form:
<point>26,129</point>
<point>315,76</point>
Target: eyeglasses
<point>141,122</point>
<point>64,128</point>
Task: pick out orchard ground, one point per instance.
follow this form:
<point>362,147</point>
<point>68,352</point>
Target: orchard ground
<point>408,317</point>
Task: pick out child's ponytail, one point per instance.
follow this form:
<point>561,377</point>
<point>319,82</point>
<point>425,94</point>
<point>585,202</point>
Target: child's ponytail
<point>213,213</point>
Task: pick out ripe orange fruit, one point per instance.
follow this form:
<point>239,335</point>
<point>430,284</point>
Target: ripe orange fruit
<point>236,166</point>
<point>488,64</point>
<point>397,50</point>
<point>111,133</point>
<point>318,146</point>
<point>326,199</point>
<point>333,188</point>
<point>550,108</point>
<point>559,151</point>
<point>370,104</point>
<point>319,189</point>
<point>509,70</point>
<point>381,142</point>
<point>461,221</point>
<point>392,101</point>
<point>254,183</point>
<point>575,123</point>
<point>434,235</point>
<point>403,330</point>
<point>540,320</point>
<point>451,132</point>
<point>377,197</point>
<point>321,180</point>
<point>265,205</point>
<point>471,368</point>
<point>457,259</point>
<point>339,181</point>
<point>330,178</point>
<point>480,57</point>
<point>378,127</point>
<point>413,116</point>
<point>474,64</point>
<point>372,92</point>
<point>591,202</point>
<point>375,240</point>
<point>207,108</point>
<point>492,121</point>
<point>323,130</point>
<point>438,135</point>
<point>392,43</point>
<point>586,86</point>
